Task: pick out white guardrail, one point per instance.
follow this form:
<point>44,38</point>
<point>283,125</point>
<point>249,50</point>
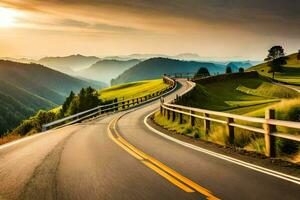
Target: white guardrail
<point>113,107</point>
<point>268,124</point>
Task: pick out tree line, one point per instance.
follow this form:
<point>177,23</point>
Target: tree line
<point>203,71</point>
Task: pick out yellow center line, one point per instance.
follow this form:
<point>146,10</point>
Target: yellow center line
<point>157,166</point>
<point>168,177</point>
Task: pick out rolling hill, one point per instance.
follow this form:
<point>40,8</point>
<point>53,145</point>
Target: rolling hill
<point>105,70</point>
<point>290,72</point>
<point>239,93</point>
<point>68,64</point>
<point>155,67</point>
<point>26,88</point>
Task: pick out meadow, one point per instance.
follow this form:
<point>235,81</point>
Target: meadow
<point>132,90</point>
<point>290,72</point>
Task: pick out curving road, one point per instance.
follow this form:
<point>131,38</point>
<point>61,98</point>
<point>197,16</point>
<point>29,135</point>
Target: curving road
<point>122,159</point>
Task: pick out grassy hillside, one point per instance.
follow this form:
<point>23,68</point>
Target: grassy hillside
<point>26,88</point>
<point>290,73</point>
<point>17,104</point>
<point>155,68</point>
<point>237,93</point>
<point>105,70</point>
<point>245,94</point>
<point>132,90</point>
<point>33,124</point>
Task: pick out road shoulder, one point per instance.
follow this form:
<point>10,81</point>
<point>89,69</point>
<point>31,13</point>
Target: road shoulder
<point>249,157</point>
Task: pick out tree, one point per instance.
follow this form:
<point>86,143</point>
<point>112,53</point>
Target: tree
<point>241,70</point>
<point>67,102</point>
<point>276,59</point>
<point>298,55</point>
<point>202,72</point>
<point>228,70</point>
<point>274,53</point>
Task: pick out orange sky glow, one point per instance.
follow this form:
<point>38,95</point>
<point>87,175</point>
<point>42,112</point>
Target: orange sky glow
<point>34,28</point>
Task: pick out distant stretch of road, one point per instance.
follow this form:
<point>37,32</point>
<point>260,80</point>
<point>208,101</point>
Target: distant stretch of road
<point>118,157</point>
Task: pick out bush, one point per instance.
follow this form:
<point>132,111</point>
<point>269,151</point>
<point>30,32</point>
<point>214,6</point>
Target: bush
<point>228,70</point>
<point>241,70</point>
<point>35,123</point>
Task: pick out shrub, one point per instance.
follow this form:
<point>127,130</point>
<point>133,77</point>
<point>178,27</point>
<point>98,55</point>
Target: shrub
<point>228,70</point>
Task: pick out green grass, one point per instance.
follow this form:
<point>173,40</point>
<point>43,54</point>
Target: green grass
<point>241,95</point>
<point>290,73</point>
<point>133,90</point>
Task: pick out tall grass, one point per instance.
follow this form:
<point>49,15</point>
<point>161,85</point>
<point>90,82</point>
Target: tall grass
<point>250,141</point>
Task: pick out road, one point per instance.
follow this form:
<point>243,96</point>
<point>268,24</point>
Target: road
<point>122,159</point>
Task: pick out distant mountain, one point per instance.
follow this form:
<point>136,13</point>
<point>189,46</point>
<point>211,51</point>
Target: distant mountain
<point>188,56</point>
<point>140,57</point>
<point>69,64</point>
<point>26,88</point>
<point>105,70</point>
<point>19,60</point>
<point>155,67</point>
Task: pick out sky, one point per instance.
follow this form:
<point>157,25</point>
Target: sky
<point>211,28</point>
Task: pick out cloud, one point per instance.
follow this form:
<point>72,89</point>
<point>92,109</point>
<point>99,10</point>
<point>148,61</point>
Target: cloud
<point>139,24</point>
<point>268,17</point>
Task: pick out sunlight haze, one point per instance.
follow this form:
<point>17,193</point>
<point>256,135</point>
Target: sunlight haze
<point>52,28</point>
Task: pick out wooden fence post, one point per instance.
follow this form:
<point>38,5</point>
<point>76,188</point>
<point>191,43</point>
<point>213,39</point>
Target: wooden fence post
<point>270,147</point>
<point>206,124</point>
<point>161,109</point>
<point>230,130</point>
<point>168,114</point>
<point>173,115</point>
<point>180,118</point>
<point>192,118</point>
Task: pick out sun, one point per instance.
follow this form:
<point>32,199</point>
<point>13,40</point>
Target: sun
<point>7,17</point>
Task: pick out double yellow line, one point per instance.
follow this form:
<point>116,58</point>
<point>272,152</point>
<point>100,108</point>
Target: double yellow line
<point>172,176</point>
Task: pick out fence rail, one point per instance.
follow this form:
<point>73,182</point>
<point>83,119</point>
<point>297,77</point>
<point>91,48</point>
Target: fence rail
<point>268,124</point>
<point>113,107</point>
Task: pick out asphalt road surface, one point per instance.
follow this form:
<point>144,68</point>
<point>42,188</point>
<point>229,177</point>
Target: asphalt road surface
<point>122,159</point>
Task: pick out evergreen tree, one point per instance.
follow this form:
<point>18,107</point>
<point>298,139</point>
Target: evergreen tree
<point>241,70</point>
<point>67,102</point>
<point>202,72</point>
<point>228,70</point>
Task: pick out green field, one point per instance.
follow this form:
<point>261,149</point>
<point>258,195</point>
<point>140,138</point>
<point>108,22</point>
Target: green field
<point>239,95</point>
<point>133,90</point>
<point>290,73</point>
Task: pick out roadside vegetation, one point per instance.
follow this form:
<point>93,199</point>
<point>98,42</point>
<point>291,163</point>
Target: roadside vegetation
<point>86,99</point>
<point>244,94</point>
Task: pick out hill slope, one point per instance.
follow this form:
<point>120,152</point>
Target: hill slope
<point>239,93</point>
<point>105,70</point>
<point>290,72</point>
<point>26,88</point>
<point>68,64</point>
<point>155,67</point>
